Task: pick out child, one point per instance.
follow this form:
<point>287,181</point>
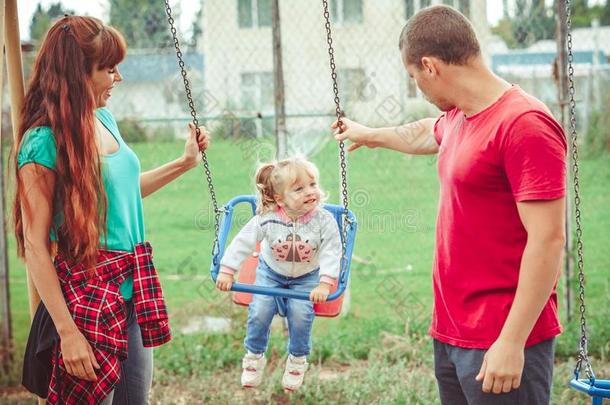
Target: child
<point>300,249</point>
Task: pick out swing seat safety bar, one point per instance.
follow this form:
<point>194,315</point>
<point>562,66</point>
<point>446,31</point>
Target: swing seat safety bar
<point>225,227</point>
<point>598,389</point>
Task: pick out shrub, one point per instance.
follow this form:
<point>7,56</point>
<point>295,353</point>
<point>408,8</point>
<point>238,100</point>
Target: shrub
<point>597,138</point>
<point>132,130</point>
<point>163,134</point>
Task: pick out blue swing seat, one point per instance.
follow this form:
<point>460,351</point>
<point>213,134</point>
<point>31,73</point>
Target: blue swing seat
<point>597,389</point>
<point>225,227</point>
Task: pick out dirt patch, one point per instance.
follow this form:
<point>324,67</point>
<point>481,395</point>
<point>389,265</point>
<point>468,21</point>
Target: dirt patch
<point>16,396</point>
<point>334,373</point>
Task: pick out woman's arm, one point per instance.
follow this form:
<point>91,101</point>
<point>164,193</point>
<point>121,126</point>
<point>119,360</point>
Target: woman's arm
<point>37,211</point>
<point>155,179</point>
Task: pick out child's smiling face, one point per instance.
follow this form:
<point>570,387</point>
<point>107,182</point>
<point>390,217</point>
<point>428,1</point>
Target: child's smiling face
<point>301,196</point>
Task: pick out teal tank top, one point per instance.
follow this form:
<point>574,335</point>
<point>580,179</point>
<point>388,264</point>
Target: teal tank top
<point>121,176</point>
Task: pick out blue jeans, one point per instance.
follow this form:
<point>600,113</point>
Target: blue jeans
<point>136,370</point>
<point>299,313</point>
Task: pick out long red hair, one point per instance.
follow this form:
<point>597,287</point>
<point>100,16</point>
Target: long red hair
<point>60,96</point>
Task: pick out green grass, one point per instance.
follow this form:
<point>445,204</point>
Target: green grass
<point>379,352</point>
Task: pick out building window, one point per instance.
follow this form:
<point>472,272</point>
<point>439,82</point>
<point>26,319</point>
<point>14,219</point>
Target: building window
<point>353,84</point>
<point>410,8</point>
<point>253,13</point>
<point>346,11</point>
<point>257,92</point>
<point>464,7</point>
<point>413,6</point>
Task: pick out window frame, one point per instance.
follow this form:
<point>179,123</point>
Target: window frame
<point>253,20</point>
<point>337,10</point>
<point>261,81</point>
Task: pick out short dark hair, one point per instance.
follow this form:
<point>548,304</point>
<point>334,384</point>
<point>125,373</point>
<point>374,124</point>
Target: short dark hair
<point>439,31</point>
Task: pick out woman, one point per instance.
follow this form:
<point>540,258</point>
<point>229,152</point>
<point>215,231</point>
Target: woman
<point>79,189</point>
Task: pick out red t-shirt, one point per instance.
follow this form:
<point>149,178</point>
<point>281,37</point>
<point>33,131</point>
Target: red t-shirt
<point>510,152</point>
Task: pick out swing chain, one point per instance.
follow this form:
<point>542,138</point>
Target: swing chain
<point>189,96</point>
<point>583,355</point>
<point>339,114</point>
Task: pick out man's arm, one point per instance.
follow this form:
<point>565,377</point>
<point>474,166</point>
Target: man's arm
<point>415,138</point>
<point>545,225</point>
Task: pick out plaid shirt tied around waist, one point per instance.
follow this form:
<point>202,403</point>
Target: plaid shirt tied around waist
<point>99,311</point>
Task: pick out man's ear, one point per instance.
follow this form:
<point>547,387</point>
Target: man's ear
<point>429,66</point>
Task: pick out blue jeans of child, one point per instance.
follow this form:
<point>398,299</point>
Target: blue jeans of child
<point>299,313</point>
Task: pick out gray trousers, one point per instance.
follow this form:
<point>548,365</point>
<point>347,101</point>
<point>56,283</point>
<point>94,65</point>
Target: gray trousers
<point>456,368</point>
<point>136,371</point>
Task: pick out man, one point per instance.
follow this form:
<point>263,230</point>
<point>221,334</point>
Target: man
<point>500,226</point>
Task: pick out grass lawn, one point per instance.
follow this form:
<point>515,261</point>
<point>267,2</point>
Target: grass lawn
<point>379,352</point>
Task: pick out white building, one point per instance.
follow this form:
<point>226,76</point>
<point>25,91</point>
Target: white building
<point>237,44</point>
<point>152,92</point>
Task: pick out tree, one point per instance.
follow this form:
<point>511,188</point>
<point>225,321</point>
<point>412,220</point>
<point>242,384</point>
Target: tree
<point>42,19</point>
<point>532,22</point>
<point>605,14</point>
<point>582,14</point>
<point>143,23</point>
<point>196,29</point>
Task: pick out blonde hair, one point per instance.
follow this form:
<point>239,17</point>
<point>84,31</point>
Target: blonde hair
<point>275,177</point>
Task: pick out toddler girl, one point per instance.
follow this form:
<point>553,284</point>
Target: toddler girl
<point>300,250</point>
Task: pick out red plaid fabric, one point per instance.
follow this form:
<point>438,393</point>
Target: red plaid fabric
<point>98,309</point>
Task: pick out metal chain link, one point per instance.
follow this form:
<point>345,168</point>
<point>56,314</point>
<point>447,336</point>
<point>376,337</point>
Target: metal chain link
<point>338,112</point>
<point>583,355</point>
<point>189,96</point>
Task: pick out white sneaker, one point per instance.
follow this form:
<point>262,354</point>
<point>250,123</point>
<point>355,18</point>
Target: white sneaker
<point>253,366</point>
<point>294,373</point>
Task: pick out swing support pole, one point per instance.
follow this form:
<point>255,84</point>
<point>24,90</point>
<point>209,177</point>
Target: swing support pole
<point>17,93</point>
<point>562,96</point>
<point>5,309</point>
<point>281,134</point>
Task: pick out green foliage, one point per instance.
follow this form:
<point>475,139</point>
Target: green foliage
<point>230,126</point>
<point>132,131</point>
<point>43,18</point>
<point>532,22</point>
<point>196,30</point>
<point>162,134</point>
<point>226,127</point>
<point>597,138</point>
<point>605,14</point>
<point>583,14</point>
<point>143,23</point>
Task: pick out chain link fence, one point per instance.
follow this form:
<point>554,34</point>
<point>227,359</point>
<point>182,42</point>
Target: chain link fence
<point>231,67</point>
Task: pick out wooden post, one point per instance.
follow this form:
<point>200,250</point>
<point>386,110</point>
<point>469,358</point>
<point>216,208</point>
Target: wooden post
<point>278,83</point>
<point>5,307</point>
<point>478,18</point>
<point>562,96</point>
<point>17,93</point>
<point>14,64</point>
